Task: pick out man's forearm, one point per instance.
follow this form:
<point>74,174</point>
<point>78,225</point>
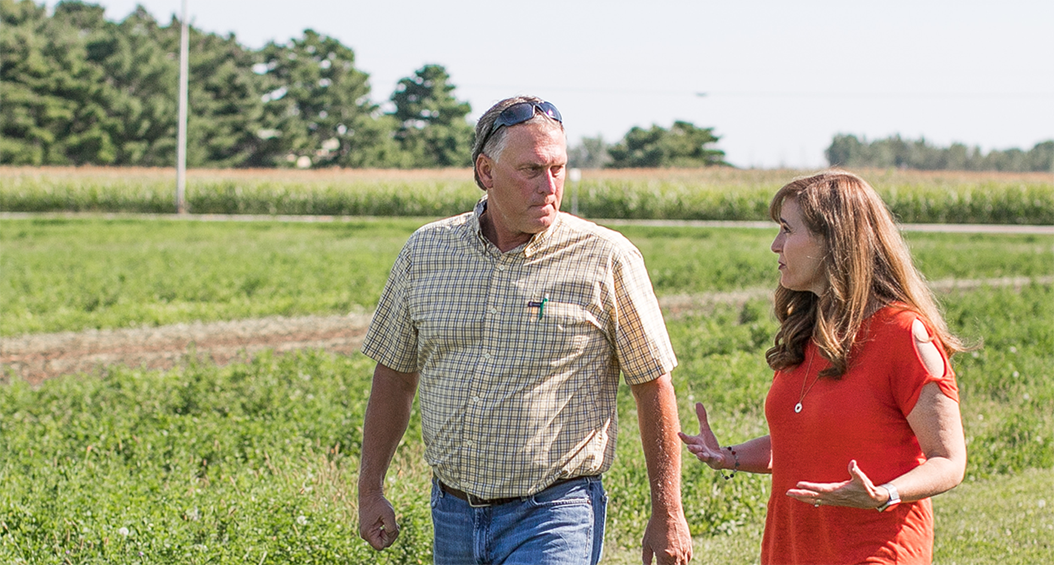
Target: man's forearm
<point>667,538</point>
<point>387,416</point>
<point>659,424</point>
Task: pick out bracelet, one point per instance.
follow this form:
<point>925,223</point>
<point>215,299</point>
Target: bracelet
<point>734,469</point>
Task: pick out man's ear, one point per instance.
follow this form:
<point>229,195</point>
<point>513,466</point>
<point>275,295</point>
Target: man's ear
<point>485,170</point>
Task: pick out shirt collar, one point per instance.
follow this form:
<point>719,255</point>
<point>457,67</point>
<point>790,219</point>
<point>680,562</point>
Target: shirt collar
<point>475,229</point>
<point>533,246</point>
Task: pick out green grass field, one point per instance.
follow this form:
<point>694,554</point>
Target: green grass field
<point>255,462</point>
<point>60,274</point>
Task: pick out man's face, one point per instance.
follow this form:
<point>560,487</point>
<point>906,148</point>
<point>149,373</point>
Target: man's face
<point>526,185</point>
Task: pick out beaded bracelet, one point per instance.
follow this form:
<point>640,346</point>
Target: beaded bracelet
<point>734,469</point>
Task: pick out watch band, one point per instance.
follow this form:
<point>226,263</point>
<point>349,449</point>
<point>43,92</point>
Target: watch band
<point>894,497</point>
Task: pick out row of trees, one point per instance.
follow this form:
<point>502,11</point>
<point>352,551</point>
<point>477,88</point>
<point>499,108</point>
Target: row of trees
<point>683,145</point>
<point>848,151</point>
<point>80,90</point>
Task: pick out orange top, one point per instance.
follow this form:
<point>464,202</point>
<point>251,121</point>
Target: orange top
<point>862,416</point>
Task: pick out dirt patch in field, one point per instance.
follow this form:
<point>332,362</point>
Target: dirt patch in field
<point>41,356</point>
<point>38,356</point>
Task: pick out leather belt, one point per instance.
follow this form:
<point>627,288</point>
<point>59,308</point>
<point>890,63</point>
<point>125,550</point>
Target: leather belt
<point>473,500</point>
<point>477,502</point>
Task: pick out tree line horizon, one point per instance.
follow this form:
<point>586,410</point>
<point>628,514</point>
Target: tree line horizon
<point>79,89</point>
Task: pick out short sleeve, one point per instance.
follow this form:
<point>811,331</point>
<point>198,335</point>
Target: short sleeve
<point>642,343</point>
<point>392,339</point>
<point>909,373</point>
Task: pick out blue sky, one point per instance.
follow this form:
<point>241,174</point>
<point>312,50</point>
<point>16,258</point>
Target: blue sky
<point>780,78</point>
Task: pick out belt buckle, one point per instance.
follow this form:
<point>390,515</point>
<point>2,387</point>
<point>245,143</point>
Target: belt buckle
<point>476,502</point>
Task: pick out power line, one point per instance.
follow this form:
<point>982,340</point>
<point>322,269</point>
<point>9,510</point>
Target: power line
<point>883,95</point>
<point>776,93</point>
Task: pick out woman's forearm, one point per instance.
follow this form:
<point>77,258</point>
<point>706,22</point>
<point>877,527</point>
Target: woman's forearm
<point>755,456</point>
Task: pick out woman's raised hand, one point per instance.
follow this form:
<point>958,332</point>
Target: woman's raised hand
<point>705,446</point>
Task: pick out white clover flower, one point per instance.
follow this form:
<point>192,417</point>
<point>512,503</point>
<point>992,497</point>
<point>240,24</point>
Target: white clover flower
<point>302,520</point>
<point>123,531</point>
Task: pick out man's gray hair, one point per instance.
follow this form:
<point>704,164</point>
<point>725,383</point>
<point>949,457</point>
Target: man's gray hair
<point>493,145</point>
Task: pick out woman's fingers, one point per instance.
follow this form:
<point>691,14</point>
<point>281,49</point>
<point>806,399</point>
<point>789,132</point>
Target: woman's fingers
<point>704,423</point>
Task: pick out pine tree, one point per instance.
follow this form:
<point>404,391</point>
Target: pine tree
<point>432,126</point>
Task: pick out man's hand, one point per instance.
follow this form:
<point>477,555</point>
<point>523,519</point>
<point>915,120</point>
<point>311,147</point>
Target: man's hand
<point>668,540</point>
<point>377,521</point>
<point>387,415</point>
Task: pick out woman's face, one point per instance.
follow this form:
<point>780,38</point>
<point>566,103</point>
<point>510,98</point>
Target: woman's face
<point>800,252</point>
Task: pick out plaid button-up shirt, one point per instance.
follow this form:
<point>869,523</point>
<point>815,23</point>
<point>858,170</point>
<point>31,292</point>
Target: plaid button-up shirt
<point>519,353</point>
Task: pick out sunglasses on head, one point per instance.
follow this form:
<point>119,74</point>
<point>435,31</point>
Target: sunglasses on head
<point>519,113</point>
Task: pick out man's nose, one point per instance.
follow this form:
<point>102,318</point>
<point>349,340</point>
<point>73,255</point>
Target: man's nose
<point>548,183</point>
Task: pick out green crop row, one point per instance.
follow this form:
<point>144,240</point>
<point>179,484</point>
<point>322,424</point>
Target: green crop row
<point>152,191</point>
<point>724,194</point>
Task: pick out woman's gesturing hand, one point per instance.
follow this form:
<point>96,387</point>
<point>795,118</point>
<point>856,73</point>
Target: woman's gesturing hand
<point>857,492</point>
<point>705,446</point>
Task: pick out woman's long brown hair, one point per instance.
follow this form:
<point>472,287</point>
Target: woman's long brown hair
<point>867,265</point>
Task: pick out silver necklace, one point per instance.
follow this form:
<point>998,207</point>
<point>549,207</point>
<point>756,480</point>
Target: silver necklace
<point>805,379</point>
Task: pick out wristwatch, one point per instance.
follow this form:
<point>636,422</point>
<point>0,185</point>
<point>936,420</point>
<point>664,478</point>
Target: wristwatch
<point>894,497</point>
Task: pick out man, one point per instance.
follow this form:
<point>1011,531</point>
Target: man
<point>514,321</point>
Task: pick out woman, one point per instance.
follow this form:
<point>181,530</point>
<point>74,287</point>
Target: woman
<point>863,411</point>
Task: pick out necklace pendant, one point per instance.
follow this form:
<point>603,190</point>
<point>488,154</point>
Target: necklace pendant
<point>797,408</point>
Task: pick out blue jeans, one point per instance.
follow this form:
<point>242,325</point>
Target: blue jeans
<point>562,525</point>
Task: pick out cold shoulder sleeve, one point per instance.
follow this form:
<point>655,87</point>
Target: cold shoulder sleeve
<point>893,334</point>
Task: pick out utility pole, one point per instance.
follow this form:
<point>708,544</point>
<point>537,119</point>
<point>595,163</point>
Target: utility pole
<point>574,175</point>
<point>181,151</point>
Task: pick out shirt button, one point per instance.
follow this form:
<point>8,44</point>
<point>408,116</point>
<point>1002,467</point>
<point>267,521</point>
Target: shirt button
<point>493,310</point>
<point>486,355</point>
<point>501,267</point>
